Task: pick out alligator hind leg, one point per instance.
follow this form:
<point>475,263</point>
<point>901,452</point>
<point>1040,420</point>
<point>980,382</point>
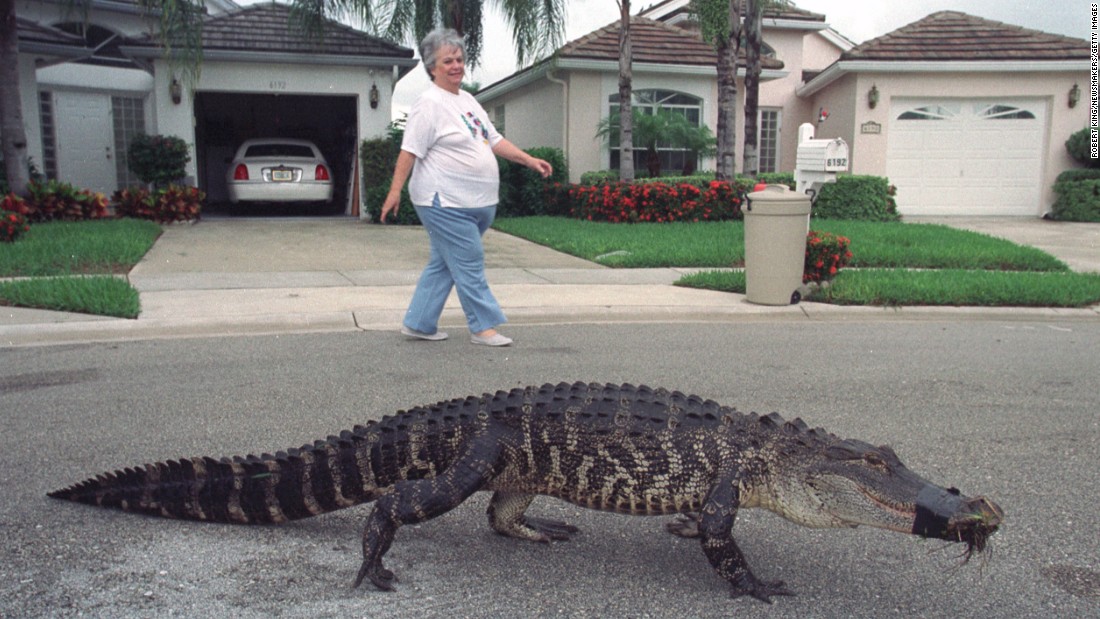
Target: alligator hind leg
<point>716,530</point>
<point>507,518</point>
<point>420,500</point>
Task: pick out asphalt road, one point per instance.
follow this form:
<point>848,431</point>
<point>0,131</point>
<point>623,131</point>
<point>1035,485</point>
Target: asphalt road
<point>1003,409</point>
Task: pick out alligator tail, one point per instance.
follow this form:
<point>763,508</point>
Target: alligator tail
<point>299,483</point>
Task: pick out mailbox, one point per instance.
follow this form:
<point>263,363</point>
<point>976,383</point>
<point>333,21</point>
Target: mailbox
<point>817,161</point>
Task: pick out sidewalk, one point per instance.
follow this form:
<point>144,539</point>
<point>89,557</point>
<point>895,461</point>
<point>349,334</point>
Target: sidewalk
<point>263,276</point>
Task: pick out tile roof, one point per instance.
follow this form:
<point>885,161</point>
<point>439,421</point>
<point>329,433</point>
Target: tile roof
<point>791,11</point>
<point>267,27</point>
<point>29,30</point>
<point>955,36</point>
<point>651,42</point>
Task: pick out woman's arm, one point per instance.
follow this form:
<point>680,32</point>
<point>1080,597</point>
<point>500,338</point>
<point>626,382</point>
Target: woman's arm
<point>401,171</point>
<point>511,152</point>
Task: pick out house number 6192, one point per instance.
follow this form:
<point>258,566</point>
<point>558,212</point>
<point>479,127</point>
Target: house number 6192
<point>277,85</point>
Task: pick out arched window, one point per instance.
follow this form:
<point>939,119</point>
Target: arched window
<point>647,102</point>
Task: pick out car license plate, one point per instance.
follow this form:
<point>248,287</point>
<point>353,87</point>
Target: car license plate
<point>282,175</point>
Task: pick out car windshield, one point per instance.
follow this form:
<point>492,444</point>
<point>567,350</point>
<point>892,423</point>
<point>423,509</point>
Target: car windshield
<point>279,150</point>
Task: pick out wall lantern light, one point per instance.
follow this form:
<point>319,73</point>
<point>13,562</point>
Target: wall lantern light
<point>872,97</point>
<point>1074,95</point>
<point>373,96</point>
<point>176,91</point>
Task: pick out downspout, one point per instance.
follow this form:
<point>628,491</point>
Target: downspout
<point>565,117</point>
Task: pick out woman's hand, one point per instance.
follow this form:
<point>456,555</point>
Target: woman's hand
<point>541,166</point>
<point>511,152</point>
<point>391,204</point>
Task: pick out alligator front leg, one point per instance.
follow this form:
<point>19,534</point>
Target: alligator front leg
<point>716,530</point>
<point>420,500</point>
<point>506,516</point>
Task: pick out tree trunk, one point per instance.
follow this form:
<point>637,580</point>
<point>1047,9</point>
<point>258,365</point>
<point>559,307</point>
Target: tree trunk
<point>751,163</point>
<point>626,113</point>
<point>727,94</point>
<point>13,135</point>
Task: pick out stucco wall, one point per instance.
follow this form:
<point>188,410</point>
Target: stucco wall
<point>28,100</point>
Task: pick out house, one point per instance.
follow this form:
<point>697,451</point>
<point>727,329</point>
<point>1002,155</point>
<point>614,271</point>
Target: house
<point>559,101</point>
<point>964,115</point>
<point>89,87</point>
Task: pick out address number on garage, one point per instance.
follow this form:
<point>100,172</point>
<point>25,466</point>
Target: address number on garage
<point>277,85</point>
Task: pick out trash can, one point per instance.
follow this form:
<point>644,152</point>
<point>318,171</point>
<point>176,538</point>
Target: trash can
<point>777,220</point>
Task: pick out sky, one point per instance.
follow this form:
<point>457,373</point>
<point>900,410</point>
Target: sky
<point>858,20</point>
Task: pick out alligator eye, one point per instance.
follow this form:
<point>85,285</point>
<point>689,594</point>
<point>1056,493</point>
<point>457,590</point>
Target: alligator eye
<point>874,459</point>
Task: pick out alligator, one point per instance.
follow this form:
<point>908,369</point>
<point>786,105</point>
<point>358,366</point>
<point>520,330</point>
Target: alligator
<point>617,448</point>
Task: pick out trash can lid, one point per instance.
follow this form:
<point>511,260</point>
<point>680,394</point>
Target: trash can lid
<point>778,200</point>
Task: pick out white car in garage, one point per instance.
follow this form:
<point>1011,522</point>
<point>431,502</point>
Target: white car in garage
<point>279,170</point>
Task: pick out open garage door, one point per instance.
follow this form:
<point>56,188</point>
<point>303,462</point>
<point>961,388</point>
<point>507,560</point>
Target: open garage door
<point>223,120</point>
<point>967,156</point>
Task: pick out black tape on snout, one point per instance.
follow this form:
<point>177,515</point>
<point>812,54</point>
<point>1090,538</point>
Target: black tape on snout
<point>935,507</point>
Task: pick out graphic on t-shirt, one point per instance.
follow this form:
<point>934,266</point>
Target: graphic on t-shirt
<point>475,126</point>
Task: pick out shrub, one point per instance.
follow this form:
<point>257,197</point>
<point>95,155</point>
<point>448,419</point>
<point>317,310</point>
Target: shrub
<point>1078,196</point>
<point>524,192</point>
<point>12,226</point>
<point>657,202</point>
<point>158,159</point>
<point>867,198</point>
<point>1079,146</point>
<point>14,204</point>
<point>173,203</point>
<point>777,178</point>
<point>826,254</point>
<point>377,158</point>
<point>53,200</point>
<point>599,177</point>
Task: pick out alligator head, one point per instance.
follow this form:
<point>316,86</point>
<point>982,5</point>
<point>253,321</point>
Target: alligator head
<point>846,483</point>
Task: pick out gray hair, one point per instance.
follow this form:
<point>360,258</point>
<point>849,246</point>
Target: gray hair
<point>436,40</point>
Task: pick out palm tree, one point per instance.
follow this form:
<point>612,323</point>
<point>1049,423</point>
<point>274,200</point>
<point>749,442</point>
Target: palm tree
<point>754,10</point>
<point>626,79</point>
<point>663,127</point>
<point>720,24</point>
<point>537,27</point>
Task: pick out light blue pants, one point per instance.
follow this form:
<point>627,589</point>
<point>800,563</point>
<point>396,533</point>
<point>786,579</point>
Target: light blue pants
<point>458,261</point>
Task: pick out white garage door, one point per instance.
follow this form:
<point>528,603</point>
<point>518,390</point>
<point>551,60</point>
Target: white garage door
<point>966,156</point>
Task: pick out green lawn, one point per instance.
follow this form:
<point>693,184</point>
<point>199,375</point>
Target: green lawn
<point>893,263</point>
<point>66,266</point>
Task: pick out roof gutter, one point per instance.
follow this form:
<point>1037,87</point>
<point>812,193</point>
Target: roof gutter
<point>841,68</point>
<point>405,64</point>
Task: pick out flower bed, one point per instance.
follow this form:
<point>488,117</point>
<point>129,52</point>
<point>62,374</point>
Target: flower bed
<point>657,202</point>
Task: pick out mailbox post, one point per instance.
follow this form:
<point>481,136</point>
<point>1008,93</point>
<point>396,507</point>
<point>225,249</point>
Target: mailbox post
<point>817,161</point>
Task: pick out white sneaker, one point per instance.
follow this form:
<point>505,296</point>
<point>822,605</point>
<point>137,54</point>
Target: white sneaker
<point>432,337</point>
<point>495,339</point>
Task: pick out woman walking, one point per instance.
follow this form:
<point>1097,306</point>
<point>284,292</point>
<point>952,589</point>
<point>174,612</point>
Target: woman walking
<point>448,150</point>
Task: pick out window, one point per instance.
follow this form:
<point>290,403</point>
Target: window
<point>647,102</point>
<point>930,112</point>
<point>128,114</point>
<point>979,111</point>
<point>49,134</point>
<point>1005,112</point>
<point>768,140</point>
<point>498,118</point>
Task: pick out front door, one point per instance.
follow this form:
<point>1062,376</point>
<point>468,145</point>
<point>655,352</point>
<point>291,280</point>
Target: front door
<point>85,143</point>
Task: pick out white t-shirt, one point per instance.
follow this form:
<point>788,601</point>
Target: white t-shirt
<point>452,138</point>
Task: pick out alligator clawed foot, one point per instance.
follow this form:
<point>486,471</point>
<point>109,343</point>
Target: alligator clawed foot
<point>551,530</point>
<point>379,576</point>
<point>686,526</point>
<point>759,589</point>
